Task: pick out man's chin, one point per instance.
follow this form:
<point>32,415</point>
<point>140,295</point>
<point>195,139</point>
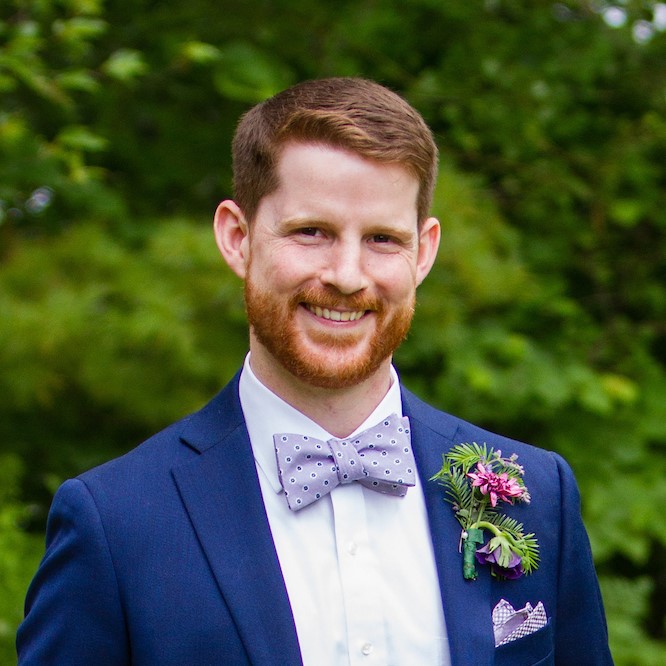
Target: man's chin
<point>332,381</point>
<point>333,370</point>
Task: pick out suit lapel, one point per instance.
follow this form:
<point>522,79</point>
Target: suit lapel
<point>467,604</point>
<point>221,493</point>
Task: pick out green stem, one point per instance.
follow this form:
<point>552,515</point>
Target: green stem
<point>485,525</point>
<point>483,502</point>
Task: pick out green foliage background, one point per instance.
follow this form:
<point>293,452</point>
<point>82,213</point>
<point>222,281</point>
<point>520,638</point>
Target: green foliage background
<point>544,318</point>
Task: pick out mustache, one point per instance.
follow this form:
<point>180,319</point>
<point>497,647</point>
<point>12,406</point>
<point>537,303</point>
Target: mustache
<point>332,299</point>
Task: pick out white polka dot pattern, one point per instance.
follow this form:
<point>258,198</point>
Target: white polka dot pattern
<point>380,458</point>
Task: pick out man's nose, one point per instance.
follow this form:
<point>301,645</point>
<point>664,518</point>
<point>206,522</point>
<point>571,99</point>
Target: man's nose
<point>344,268</point>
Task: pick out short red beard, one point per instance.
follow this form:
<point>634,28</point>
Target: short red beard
<point>272,322</point>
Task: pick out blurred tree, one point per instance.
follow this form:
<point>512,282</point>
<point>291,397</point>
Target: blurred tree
<point>19,553</point>
<point>543,318</point>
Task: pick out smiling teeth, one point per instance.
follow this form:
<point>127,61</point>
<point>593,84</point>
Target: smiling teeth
<point>335,315</point>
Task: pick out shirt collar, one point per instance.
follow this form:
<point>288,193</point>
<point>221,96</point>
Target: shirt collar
<point>266,414</point>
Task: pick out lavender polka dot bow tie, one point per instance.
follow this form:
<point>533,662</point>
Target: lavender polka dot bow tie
<point>379,458</point>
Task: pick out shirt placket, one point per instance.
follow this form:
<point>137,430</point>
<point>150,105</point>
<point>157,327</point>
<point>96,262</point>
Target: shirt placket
<point>360,578</point>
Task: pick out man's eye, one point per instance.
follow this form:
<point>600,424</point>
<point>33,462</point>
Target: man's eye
<point>309,231</point>
<point>381,238</point>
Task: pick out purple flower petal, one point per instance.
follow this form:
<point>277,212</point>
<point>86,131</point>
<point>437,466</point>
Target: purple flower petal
<point>511,572</point>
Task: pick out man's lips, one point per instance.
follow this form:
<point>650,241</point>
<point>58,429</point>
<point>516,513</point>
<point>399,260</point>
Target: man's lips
<point>335,315</point>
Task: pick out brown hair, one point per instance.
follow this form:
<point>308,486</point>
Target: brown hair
<point>351,113</point>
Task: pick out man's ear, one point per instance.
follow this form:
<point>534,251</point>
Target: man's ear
<point>231,236</point>
<point>429,236</point>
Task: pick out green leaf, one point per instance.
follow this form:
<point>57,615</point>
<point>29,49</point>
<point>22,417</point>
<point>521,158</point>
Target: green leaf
<point>246,74</point>
<point>125,65</point>
<point>79,28</point>
<point>200,52</point>
<point>81,138</point>
<point>78,80</point>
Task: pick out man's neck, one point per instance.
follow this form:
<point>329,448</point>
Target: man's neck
<point>338,411</point>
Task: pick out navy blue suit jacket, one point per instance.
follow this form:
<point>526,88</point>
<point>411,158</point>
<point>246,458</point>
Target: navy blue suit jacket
<point>165,557</point>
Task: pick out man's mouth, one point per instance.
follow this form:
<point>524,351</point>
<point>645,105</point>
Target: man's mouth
<point>334,315</point>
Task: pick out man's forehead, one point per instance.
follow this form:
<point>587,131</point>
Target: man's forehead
<point>315,154</point>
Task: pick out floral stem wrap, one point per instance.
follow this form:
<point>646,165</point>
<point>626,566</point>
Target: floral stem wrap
<point>474,537</point>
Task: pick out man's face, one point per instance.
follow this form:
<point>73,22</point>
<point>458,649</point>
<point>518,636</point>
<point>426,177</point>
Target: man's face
<point>333,260</point>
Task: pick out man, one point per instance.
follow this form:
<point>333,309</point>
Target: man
<point>215,542</point>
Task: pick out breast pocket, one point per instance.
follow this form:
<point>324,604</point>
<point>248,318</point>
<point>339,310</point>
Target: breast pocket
<point>537,649</point>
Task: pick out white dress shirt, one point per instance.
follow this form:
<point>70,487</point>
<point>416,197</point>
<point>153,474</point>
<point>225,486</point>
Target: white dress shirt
<point>358,565</point>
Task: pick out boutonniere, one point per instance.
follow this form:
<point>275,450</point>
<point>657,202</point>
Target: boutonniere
<point>478,481</point>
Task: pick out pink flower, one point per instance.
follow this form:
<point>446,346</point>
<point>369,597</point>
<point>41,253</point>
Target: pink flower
<point>497,486</point>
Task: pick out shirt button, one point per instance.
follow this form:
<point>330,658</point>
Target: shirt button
<point>367,648</point>
<point>352,547</point>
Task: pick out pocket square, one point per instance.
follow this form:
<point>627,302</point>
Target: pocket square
<point>510,624</point>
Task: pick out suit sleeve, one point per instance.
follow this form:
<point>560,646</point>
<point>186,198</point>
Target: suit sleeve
<point>581,634</point>
<point>73,607</point>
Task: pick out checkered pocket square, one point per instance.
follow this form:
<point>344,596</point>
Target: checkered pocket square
<point>510,624</point>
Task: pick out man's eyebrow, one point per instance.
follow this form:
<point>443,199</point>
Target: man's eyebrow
<point>303,222</point>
